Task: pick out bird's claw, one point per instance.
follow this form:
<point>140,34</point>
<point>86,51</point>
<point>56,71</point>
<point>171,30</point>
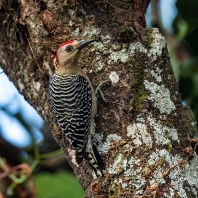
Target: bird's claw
<point>98,89</point>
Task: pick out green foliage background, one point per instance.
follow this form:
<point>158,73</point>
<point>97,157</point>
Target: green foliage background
<point>57,185</point>
<point>185,30</point>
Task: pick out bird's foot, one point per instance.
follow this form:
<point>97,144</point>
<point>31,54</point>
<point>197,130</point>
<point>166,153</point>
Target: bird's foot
<point>98,89</point>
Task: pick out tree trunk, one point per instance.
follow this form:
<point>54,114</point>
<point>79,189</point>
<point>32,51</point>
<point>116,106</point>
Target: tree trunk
<point>143,131</point>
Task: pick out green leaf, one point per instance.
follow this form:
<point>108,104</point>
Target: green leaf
<point>57,185</point>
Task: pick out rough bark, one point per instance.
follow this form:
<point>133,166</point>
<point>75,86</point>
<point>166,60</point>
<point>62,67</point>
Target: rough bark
<point>143,129</point>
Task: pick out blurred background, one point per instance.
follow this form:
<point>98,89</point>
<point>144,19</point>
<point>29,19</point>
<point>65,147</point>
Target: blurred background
<point>25,140</point>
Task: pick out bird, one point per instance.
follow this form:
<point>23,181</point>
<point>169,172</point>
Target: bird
<point>74,104</point>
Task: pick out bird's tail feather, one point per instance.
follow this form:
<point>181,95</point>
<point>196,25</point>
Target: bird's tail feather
<point>95,161</point>
<point>79,157</point>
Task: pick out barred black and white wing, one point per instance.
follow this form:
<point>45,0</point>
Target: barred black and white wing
<point>71,101</point>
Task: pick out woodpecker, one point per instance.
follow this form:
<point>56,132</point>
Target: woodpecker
<point>74,104</point>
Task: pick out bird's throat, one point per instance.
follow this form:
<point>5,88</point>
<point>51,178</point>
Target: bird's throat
<point>68,69</point>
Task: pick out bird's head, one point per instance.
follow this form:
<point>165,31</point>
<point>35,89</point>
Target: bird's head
<point>68,54</point>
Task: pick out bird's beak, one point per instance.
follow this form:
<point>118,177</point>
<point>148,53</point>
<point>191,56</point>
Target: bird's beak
<point>83,43</point>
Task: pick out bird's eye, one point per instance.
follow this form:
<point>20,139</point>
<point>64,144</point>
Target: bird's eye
<point>69,48</point>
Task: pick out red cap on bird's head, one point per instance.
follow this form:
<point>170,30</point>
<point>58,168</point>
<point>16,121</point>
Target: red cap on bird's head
<point>76,45</point>
<point>65,43</point>
<point>61,45</point>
